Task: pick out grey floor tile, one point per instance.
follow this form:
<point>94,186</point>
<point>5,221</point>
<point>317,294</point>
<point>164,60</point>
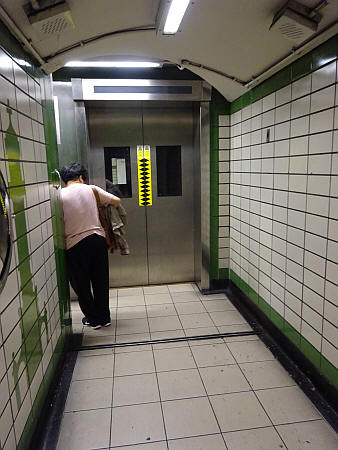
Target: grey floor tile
<point>190,308</point>
<point>94,367</point>
<point>174,359</point>
<point>132,326</point>
<point>218,305</point>
<point>196,320</point>
<point>157,299</point>
<point>113,292</point>
<point>134,337</point>
<point>162,310</point>
<point>130,300</point>
<point>133,291</point>
<point>203,331</point>
<point>266,374</point>
<point>313,435</point>
<point>227,318</point>
<point>239,411</point>
<point>135,389</point>
<point>250,351</point>
<point>190,417</point>
<point>287,405</point>
<point>103,331</point>
<point>210,442</point>
<point>98,352</point>
<point>137,424</point>
<point>85,430</point>
<point>180,384</point>
<point>181,287</point>
<point>132,312</point>
<point>97,339</point>
<point>212,355</point>
<point>134,363</point>
<point>179,297</point>
<point>258,439</point>
<point>161,289</point>
<point>164,323</point>
<point>152,446</point>
<point>166,335</point>
<point>212,297</point>
<point>90,394</point>
<point>224,379</point>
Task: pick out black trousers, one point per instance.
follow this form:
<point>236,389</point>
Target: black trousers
<point>88,270</point>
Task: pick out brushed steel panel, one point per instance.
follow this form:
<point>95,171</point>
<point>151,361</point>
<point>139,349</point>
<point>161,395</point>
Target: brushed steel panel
<point>170,220</point>
<point>121,125</point>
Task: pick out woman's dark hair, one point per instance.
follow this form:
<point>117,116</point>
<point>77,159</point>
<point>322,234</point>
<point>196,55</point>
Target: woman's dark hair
<point>72,171</point>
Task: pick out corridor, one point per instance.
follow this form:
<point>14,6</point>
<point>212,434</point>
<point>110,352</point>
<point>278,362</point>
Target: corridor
<point>208,394</point>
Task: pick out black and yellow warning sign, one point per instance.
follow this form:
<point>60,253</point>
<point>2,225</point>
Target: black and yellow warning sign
<point>144,175</point>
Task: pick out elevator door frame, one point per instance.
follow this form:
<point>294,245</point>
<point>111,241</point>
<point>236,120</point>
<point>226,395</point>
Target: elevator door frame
<point>201,99</point>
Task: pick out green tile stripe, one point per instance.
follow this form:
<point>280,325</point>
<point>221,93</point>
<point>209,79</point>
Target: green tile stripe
<point>309,351</point>
<point>313,60</point>
<point>34,415</point>
<point>218,106</point>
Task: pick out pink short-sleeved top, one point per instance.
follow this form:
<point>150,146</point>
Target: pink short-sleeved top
<point>80,214</point>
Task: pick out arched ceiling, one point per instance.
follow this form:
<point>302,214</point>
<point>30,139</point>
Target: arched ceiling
<point>231,36</point>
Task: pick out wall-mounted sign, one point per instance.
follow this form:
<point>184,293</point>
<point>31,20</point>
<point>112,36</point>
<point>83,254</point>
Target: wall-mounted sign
<point>5,233</point>
<point>144,175</point>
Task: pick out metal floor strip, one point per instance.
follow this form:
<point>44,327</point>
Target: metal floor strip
<point>166,340</point>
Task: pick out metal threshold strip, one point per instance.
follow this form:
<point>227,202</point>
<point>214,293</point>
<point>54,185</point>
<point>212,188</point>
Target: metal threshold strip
<point>166,340</point>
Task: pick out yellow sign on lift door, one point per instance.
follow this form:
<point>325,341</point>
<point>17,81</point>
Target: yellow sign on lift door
<point>144,175</point>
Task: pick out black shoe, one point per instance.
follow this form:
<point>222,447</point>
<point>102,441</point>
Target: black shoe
<point>107,324</point>
<point>85,321</point>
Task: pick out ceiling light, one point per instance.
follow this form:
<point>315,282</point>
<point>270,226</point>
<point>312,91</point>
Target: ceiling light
<point>125,64</point>
<point>170,15</point>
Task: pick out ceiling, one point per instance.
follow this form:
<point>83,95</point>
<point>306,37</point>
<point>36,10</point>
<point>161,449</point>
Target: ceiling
<point>231,36</point>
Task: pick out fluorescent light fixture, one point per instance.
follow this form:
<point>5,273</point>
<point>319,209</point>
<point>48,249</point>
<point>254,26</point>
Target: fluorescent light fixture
<point>175,16</point>
<point>131,64</point>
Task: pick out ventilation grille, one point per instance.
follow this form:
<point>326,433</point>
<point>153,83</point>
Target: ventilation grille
<point>52,26</point>
<point>51,18</point>
<point>294,26</point>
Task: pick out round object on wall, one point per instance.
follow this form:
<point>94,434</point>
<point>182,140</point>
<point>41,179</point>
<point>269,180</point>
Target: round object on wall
<point>5,233</point>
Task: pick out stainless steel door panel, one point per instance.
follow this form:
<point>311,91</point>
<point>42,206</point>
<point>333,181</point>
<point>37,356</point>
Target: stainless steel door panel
<point>170,220</point>
<point>114,126</point>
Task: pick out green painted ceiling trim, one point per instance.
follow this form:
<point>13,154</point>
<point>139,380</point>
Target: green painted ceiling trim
<point>313,60</point>
<point>310,352</point>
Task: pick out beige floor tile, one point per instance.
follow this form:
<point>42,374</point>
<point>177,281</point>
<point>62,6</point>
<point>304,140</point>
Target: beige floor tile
<point>180,384</point>
<point>196,320</point>
<point>189,417</point>
<point>129,292</point>
<point>162,310</point>
<point>239,411</point>
<point>287,404</point>
<point>250,351</point>
<point>134,363</point>
<point>224,379</point>
<point>113,292</point>
<point>190,308</point>
<point>97,352</point>
<point>94,367</point>
<point>89,394</point>
<point>134,337</point>
<point>235,329</point>
<point>113,302</point>
<point>203,331</point>
<point>218,305</point>
<point>259,439</point>
<point>96,339</point>
<point>194,343</point>
<point>85,430</point>
<point>211,442</point>
<point>266,374</point>
<point>133,348</point>
<point>132,312</point>
<point>174,359</point>
<point>164,323</point>
<point>152,446</point>
<point>312,435</point>
<point>212,355</point>
<point>132,326</point>
<point>103,331</point>
<point>161,289</point>
<point>227,318</point>
<point>181,287</point>
<point>137,424</point>
<point>133,300</point>
<point>166,335</point>
<point>157,299</point>
<point>183,297</point>
<point>77,317</point>
<point>135,389</point>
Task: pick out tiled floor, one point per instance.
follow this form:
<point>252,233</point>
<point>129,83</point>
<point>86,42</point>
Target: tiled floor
<point>195,395</point>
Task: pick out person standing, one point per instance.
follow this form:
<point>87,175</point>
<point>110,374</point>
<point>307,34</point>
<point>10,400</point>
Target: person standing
<point>86,248</point>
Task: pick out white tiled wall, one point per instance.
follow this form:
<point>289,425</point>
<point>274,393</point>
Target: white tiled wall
<point>284,204</point>
<point>24,94</point>
<point>223,190</point>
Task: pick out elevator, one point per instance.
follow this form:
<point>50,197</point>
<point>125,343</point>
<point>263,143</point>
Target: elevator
<point>169,121</point>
